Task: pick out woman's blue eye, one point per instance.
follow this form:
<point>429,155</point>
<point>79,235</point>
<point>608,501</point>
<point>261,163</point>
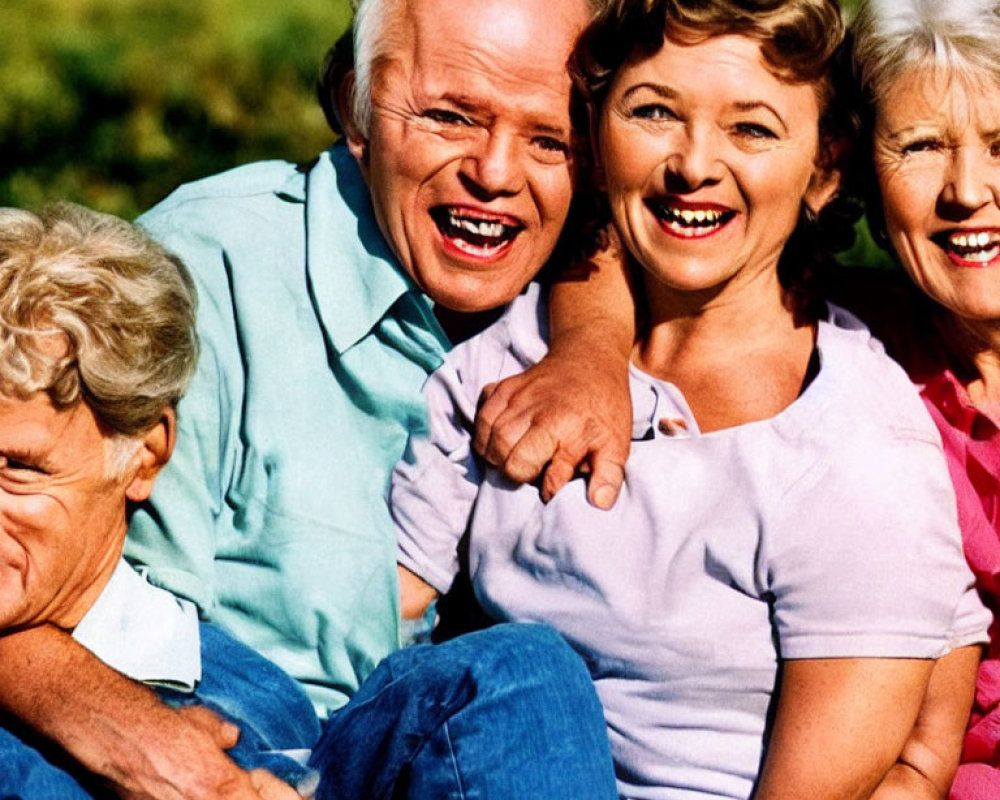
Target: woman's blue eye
<point>755,131</point>
<point>652,111</point>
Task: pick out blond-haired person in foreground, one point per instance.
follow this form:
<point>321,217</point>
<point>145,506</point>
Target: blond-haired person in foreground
<point>97,345</point>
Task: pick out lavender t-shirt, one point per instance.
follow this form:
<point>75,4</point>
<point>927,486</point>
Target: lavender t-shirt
<point>828,530</point>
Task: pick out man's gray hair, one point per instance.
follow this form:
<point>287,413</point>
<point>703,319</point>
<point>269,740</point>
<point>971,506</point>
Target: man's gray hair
<point>92,310</point>
<point>893,36</point>
<point>371,42</point>
<point>371,24</point>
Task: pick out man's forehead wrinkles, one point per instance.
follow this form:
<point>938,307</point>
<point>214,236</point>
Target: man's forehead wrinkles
<point>477,84</point>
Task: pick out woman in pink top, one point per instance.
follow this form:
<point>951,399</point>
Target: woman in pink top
<point>930,77</point>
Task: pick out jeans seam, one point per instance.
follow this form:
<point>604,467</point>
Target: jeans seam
<point>454,761</point>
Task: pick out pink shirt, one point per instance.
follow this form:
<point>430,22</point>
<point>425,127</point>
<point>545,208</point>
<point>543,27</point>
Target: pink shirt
<point>972,445</point>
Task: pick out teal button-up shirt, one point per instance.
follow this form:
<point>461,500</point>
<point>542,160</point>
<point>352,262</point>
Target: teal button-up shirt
<point>271,516</point>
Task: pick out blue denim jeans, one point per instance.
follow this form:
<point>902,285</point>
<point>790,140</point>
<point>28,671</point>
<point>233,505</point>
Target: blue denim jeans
<point>505,713</point>
<point>270,708</point>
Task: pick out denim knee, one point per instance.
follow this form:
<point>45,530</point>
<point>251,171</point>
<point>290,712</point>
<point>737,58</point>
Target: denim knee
<point>526,654</point>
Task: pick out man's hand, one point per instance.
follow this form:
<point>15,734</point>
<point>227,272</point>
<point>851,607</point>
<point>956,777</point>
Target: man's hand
<point>561,415</point>
<point>572,411</point>
<point>119,729</point>
<point>182,757</point>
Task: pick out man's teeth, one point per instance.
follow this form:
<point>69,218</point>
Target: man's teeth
<point>981,246</point>
<point>484,228</point>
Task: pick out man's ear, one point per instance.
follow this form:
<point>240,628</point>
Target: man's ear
<point>154,452</point>
<point>357,142</point>
<point>826,179</point>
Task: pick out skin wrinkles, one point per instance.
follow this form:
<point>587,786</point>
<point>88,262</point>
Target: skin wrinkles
<point>466,140</point>
<point>937,157</point>
<point>59,509</point>
<point>733,136</point>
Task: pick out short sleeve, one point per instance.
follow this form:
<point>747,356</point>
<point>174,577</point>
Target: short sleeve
<point>865,558</point>
<point>434,486</point>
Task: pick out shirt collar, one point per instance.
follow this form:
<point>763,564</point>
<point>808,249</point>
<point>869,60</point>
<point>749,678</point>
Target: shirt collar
<point>347,256</point>
<point>143,632</point>
<point>949,396</point>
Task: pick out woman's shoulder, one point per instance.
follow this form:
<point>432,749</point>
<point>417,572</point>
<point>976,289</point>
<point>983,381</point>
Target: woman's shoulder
<point>867,390</point>
<point>894,310</point>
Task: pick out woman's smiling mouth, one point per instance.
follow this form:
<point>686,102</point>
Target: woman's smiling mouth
<point>970,248</point>
<point>689,220</point>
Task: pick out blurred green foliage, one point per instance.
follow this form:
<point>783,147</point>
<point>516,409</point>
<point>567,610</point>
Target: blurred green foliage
<point>113,103</point>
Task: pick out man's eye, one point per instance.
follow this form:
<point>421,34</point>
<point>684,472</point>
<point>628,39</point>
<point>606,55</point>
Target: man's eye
<point>445,117</point>
<point>552,144</point>
<point>13,465</point>
<point>550,150</point>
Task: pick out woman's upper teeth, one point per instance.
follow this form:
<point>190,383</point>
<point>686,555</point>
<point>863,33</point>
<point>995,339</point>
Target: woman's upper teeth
<point>692,217</point>
<point>973,241</point>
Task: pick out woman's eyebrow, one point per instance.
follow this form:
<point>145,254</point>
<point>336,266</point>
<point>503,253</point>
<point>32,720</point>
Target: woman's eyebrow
<point>656,88</point>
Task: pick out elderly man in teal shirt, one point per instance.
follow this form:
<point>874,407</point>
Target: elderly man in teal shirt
<point>328,293</point>
<point>314,347</point>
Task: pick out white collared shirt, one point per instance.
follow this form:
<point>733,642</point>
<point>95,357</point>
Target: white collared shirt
<point>143,632</point>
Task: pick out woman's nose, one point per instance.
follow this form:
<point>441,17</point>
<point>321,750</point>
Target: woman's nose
<point>970,182</point>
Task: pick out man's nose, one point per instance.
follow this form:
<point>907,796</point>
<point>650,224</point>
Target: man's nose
<point>496,167</point>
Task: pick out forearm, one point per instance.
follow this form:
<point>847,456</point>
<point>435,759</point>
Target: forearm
<point>592,310</point>
<point>119,729</point>
<point>927,765</point>
<point>62,691</point>
<point>415,594</point>
<point>903,782</point>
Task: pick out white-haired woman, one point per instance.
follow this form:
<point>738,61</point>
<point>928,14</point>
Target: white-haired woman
<point>930,77</point>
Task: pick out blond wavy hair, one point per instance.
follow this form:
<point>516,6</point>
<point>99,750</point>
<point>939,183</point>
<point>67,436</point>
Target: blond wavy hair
<point>92,310</point>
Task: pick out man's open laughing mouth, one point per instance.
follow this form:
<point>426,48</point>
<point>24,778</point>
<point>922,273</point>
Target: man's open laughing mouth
<point>474,232</point>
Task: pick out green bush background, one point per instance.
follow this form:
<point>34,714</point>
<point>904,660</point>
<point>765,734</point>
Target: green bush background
<point>113,103</point>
